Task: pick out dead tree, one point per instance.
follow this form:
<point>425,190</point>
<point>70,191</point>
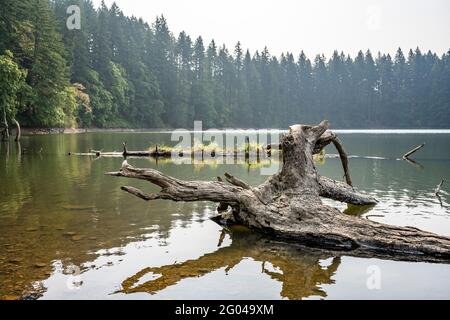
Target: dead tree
<point>18,131</point>
<point>411,152</point>
<point>288,204</point>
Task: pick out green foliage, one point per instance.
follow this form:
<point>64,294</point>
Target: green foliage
<point>11,82</point>
<point>119,71</point>
<point>83,108</point>
<point>101,100</point>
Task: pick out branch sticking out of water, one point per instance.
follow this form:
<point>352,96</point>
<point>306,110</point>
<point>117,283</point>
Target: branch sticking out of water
<point>411,152</point>
<point>438,188</point>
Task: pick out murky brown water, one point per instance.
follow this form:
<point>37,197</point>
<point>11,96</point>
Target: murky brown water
<point>67,231</point>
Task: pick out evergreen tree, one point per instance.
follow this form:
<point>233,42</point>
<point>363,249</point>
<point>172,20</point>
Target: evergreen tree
<point>48,74</point>
<point>118,71</point>
<point>12,81</point>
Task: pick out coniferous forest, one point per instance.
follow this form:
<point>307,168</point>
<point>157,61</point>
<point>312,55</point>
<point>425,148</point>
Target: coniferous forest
<point>119,71</point>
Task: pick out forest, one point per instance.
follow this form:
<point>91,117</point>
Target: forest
<point>122,72</point>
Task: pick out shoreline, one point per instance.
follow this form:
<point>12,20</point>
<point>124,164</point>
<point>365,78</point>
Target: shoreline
<point>53,131</point>
<point>49,131</point>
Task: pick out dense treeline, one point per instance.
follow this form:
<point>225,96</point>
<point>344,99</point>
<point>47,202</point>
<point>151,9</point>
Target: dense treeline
<point>119,71</point>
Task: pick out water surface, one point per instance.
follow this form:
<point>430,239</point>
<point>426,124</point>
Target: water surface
<point>67,231</point>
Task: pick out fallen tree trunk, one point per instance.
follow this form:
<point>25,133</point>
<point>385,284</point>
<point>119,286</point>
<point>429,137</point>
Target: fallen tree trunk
<point>162,153</point>
<point>289,205</point>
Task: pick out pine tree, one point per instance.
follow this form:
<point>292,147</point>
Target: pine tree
<point>201,92</point>
<point>164,68</point>
<point>120,71</point>
<point>48,74</point>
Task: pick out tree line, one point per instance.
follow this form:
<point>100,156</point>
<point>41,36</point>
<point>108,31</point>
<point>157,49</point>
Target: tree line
<point>119,71</point>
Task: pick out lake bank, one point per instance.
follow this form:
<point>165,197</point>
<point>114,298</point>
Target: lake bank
<point>49,131</point>
<point>45,131</point>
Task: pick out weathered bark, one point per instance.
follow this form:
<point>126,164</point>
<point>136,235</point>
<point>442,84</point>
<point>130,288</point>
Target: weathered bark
<point>324,140</point>
<point>156,153</point>
<point>289,205</point>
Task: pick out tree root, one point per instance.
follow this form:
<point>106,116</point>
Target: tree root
<point>288,204</point>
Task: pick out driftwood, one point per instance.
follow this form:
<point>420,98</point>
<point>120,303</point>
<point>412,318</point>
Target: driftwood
<point>288,204</point>
<point>411,152</point>
<point>327,138</point>
<point>156,153</point>
<point>437,191</point>
<point>125,153</point>
<point>160,153</point>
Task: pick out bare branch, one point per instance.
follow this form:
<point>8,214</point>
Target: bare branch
<point>438,188</point>
<point>342,192</point>
<point>344,160</point>
<point>409,153</point>
<point>140,194</point>
<point>237,182</point>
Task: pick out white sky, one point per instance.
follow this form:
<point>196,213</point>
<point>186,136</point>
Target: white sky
<point>315,26</point>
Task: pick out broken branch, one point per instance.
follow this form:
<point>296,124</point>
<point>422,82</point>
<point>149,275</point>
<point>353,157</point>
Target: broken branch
<point>410,153</point>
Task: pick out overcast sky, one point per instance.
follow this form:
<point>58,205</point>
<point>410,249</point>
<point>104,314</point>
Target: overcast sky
<point>315,26</point>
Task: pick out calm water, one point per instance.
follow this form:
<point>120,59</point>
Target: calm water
<point>69,232</point>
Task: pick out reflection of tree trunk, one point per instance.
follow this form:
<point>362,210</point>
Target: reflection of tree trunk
<point>288,204</point>
<point>19,152</point>
<point>18,131</point>
<point>297,268</point>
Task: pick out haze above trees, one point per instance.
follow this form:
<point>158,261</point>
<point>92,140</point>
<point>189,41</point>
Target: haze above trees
<point>119,71</point>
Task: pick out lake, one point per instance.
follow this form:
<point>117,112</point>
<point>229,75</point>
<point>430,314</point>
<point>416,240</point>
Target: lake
<point>67,231</point>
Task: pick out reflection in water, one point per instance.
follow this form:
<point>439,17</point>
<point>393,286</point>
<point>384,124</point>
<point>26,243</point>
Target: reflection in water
<point>358,210</point>
<point>414,163</point>
<point>299,269</point>
<point>58,211</point>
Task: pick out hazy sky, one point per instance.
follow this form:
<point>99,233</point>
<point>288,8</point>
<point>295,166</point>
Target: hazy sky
<point>310,25</point>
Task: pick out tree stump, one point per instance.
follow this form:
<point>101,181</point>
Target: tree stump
<point>288,204</point>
